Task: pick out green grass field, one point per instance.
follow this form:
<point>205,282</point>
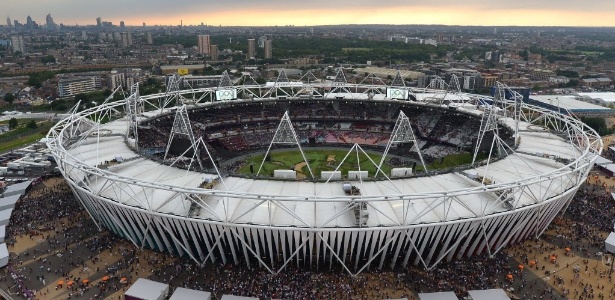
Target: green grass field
<point>16,143</point>
<point>318,162</point>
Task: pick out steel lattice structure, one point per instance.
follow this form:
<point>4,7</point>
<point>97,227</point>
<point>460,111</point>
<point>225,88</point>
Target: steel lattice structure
<point>417,220</point>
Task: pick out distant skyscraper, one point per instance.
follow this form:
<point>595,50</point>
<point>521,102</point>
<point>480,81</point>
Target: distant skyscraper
<point>143,24</point>
<point>126,39</point>
<point>84,35</point>
<point>495,30</point>
<point>18,44</point>
<point>268,48</point>
<point>29,22</point>
<point>8,22</point>
<point>122,24</point>
<point>251,48</point>
<point>203,44</point>
<point>150,39</point>
<point>213,52</point>
<point>49,22</point>
<point>99,23</point>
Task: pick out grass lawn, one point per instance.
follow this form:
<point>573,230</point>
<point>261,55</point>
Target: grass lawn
<point>16,143</point>
<point>318,162</point>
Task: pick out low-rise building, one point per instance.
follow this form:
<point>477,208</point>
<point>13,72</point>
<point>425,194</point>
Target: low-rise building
<point>72,86</point>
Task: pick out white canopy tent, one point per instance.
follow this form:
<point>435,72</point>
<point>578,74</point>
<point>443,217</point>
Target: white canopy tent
<point>4,255</point>
<point>5,216</point>
<point>17,189</point>
<point>438,296</point>
<point>232,297</point>
<point>9,201</point>
<point>492,294</point>
<point>2,233</point>
<point>188,294</point>
<point>145,289</point>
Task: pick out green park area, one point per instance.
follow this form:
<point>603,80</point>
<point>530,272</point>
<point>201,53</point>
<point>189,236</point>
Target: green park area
<point>23,132</point>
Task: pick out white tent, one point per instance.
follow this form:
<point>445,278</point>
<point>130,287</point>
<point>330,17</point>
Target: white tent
<point>188,294</point>
<point>145,289</point>
<point>231,297</point>
<point>2,233</point>
<point>9,201</point>
<point>17,189</point>
<point>4,255</point>
<point>609,243</point>
<point>5,216</point>
<point>438,296</point>
<point>602,161</point>
<point>493,294</point>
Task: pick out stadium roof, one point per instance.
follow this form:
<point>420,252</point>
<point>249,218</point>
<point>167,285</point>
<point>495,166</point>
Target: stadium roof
<point>568,102</point>
<point>534,156</point>
<point>599,96</point>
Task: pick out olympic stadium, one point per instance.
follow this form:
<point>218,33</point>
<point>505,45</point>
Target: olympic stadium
<point>201,172</point>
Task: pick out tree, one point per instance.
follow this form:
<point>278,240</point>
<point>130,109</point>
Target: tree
<point>48,59</point>
<point>13,123</point>
<point>32,124</point>
<point>597,124</point>
<point>9,98</point>
<point>567,73</point>
<point>81,97</point>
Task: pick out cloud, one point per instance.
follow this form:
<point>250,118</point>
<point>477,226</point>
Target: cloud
<point>283,12</point>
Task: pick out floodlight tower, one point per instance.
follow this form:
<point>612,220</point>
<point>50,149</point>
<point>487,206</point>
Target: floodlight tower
<point>182,127</point>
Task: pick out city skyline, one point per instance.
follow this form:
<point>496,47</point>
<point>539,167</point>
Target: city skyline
<point>280,13</point>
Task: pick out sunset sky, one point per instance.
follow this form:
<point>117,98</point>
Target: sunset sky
<point>318,12</point>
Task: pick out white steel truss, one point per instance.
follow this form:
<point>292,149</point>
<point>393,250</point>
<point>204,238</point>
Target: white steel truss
<point>402,133</point>
<point>285,135</point>
<point>453,85</point>
<point>398,81</point>
<point>489,127</point>
<point>172,93</point>
<point>371,84</point>
<point>225,81</point>
<point>134,107</point>
<point>182,128</point>
<point>340,84</point>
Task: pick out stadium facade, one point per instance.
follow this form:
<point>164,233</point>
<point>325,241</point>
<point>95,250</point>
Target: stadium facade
<point>423,218</point>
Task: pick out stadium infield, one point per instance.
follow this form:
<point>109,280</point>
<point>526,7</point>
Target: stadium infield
<point>328,160</point>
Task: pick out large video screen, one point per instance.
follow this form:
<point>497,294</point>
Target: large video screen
<point>226,94</point>
<point>395,93</point>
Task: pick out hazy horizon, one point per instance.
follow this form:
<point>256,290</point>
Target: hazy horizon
<point>593,13</point>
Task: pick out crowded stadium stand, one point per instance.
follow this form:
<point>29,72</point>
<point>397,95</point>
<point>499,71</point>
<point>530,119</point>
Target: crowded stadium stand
<point>244,128</point>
